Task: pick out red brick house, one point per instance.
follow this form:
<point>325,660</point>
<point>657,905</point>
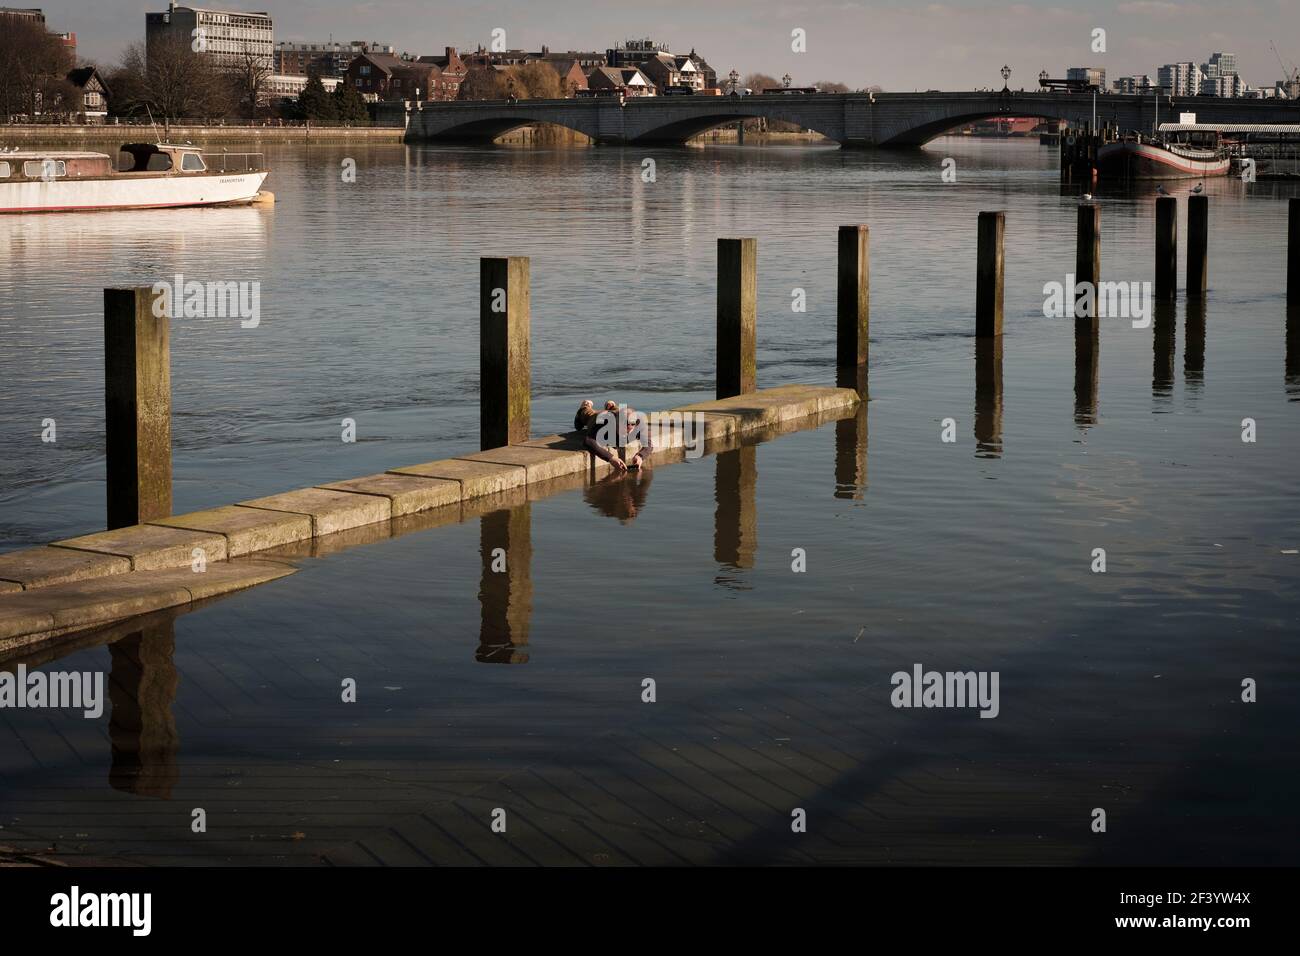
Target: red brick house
<point>382,76</point>
<point>452,70</point>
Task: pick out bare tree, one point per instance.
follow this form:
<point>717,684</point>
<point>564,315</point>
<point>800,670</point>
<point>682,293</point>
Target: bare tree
<point>537,81</point>
<point>170,80</point>
<point>831,86</point>
<point>249,75</point>
<point>33,62</point>
<point>758,82</point>
<point>483,83</point>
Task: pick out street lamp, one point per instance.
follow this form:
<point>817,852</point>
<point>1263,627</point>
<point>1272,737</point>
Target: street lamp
<point>734,77</point>
<point>1042,80</point>
<point>1006,78</point>
<point>785,81</point>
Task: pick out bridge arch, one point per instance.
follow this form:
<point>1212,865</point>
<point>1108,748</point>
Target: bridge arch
<point>675,132</point>
<point>475,127</point>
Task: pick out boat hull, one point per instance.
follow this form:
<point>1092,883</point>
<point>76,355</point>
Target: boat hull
<point>130,192</point>
<point>1147,161</point>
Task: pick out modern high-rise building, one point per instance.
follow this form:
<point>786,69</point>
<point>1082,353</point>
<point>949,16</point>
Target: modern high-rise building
<point>1179,79</point>
<point>1133,84</point>
<point>228,36</point>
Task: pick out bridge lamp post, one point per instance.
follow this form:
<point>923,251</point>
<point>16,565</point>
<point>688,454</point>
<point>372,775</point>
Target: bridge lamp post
<point>1006,79</point>
<point>785,81</point>
<point>734,77</point>
<point>1042,80</point>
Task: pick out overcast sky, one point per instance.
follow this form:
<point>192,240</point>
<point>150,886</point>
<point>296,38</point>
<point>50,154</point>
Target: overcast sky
<point>900,46</point>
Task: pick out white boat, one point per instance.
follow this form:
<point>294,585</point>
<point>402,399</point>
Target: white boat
<point>147,176</point>
<point>1141,158</point>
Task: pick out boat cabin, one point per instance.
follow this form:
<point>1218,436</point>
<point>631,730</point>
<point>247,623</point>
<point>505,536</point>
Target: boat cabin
<point>159,158</point>
<point>28,164</point>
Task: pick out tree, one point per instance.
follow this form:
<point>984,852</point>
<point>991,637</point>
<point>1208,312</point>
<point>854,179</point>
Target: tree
<point>830,86</point>
<point>33,64</point>
<point>315,105</point>
<point>483,83</point>
<point>249,75</point>
<point>537,81</point>
<point>169,81</point>
<point>349,106</point>
<point>758,82</point>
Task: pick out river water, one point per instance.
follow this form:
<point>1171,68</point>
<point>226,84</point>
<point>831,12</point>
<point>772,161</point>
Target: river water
<point>1119,691</point>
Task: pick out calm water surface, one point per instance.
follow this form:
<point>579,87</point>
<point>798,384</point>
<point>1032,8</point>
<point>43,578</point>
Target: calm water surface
<point>1119,690</point>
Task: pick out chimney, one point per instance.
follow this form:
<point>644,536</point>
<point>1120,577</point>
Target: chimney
<point>451,54</point>
<point>545,49</point>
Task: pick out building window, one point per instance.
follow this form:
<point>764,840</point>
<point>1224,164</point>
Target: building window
<point>4,170</point>
<point>363,70</point>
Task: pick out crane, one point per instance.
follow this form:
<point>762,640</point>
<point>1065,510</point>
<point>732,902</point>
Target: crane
<point>1292,82</point>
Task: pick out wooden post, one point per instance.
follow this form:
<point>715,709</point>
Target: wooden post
<point>1087,262</point>
<point>137,407</point>
<point>504,362</point>
<point>1293,253</point>
<point>988,275</point>
<point>1166,247</point>
<point>853,297</point>
<point>1198,245</point>
<point>737,308</point>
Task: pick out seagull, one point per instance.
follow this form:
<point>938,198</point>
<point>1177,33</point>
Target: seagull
<point>1198,189</point>
<point>1087,197</point>
<point>1162,191</point>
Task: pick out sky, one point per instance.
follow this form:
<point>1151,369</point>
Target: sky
<point>896,45</point>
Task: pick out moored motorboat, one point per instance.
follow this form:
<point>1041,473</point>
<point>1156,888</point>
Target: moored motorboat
<point>146,176</point>
<point>1145,158</point>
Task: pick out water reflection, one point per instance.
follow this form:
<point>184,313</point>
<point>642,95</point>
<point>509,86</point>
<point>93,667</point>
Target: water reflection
<point>620,495</point>
<point>1164,339</point>
<point>1194,345</point>
<point>506,587</point>
<point>1087,352</point>
<point>735,518</point>
<point>141,729</point>
<point>988,397</point>
<point>1293,354</point>
<point>851,455</point>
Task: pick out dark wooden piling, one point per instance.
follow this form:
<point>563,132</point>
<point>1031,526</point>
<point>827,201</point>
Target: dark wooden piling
<point>1087,262</point>
<point>988,275</point>
<point>737,311</point>
<point>1166,248</point>
<point>137,407</point>
<point>1198,245</point>
<point>853,297</point>
<point>505,383</point>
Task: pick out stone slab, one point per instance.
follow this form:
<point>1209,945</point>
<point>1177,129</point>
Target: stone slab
<point>151,547</point>
<point>476,477</point>
<point>61,608</point>
<point>45,566</point>
<point>245,529</point>
<point>407,494</point>
<point>540,463</point>
<point>330,511</point>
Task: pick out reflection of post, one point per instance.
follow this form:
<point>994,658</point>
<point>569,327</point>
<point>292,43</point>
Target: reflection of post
<point>1293,346</point>
<point>988,397</point>
<point>1163,349</point>
<point>141,728</point>
<point>1194,356</point>
<point>735,521</point>
<point>506,586</point>
<point>1086,369</point>
<point>851,455</point>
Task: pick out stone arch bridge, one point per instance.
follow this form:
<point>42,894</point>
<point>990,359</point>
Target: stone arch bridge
<point>851,119</point>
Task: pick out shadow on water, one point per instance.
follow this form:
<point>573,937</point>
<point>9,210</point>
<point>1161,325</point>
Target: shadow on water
<point>1164,331</point>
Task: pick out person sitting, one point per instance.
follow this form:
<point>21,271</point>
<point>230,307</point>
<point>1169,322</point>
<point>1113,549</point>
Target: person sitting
<point>593,425</point>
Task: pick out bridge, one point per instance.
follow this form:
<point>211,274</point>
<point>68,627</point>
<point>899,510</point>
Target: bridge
<point>850,119</point>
